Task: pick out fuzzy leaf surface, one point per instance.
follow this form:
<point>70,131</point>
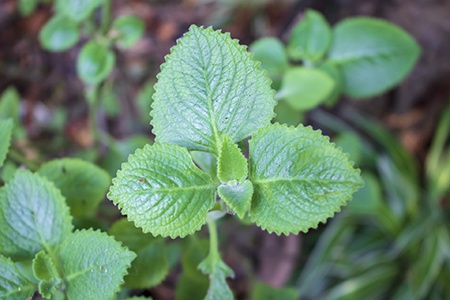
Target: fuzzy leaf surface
<point>82,183</point>
<point>299,178</point>
<point>45,270</point>
<point>162,191</point>
<point>94,265</point>
<point>151,265</point>
<point>237,195</point>
<point>372,54</point>
<point>210,86</point>
<point>6,127</point>
<point>33,216</point>
<point>13,285</point>
<point>232,164</point>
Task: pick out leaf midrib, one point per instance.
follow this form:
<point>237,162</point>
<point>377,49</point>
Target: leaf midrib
<point>209,100</point>
<point>177,189</point>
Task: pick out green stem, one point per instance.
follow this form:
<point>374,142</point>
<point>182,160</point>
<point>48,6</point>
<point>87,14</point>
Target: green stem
<point>213,241</point>
<point>106,17</point>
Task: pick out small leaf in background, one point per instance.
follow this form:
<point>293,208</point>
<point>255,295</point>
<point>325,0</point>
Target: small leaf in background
<point>6,127</point>
<point>26,7</point>
<point>262,291</point>
<point>130,30</point>
<point>333,71</point>
<point>232,164</point>
<point>310,38</point>
<point>13,284</point>
<point>10,105</point>
<point>188,288</point>
<point>210,86</point>
<point>151,265</point>
<point>95,62</point>
<point>299,178</point>
<point>35,216</point>
<point>162,191</point>
<point>78,10</point>
<point>237,195</point>
<point>373,55</point>
<point>350,143</point>
<point>59,34</point>
<point>83,184</point>
<point>287,115</point>
<point>305,88</point>
<point>272,55</point>
<point>94,265</point>
<point>45,270</point>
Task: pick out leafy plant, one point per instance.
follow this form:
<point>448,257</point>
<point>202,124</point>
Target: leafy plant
<point>210,95</point>
<point>360,57</point>
<point>74,19</point>
<point>39,249</point>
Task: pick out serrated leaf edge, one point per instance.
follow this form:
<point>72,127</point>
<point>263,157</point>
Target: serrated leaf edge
<point>119,243</point>
<point>331,215</point>
<point>129,217</point>
<point>174,49</point>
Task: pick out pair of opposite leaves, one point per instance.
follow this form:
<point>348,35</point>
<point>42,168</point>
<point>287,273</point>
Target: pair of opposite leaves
<point>210,94</point>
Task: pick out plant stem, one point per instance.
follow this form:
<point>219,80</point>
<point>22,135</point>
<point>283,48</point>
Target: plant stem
<point>106,17</point>
<point>213,241</point>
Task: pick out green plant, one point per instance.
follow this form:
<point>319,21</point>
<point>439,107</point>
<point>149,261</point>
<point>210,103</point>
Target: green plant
<point>210,95</point>
<point>74,19</point>
<point>392,241</point>
<point>39,249</point>
<point>361,57</point>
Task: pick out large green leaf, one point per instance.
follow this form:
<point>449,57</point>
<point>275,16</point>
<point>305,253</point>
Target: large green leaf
<point>310,38</point>
<point>14,285</point>
<point>33,216</point>
<point>94,265</point>
<point>151,265</point>
<point>162,191</point>
<point>208,87</point>
<point>373,55</point>
<point>6,127</point>
<point>82,183</point>
<point>59,33</point>
<point>299,178</point>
